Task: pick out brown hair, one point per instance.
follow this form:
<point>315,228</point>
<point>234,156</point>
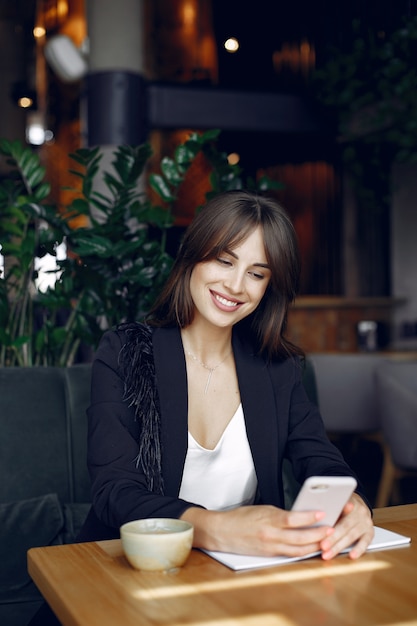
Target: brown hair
<point>223,223</point>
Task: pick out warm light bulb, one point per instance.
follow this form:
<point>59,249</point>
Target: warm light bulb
<point>39,31</point>
<point>25,102</point>
<point>233,158</point>
<point>231,44</point>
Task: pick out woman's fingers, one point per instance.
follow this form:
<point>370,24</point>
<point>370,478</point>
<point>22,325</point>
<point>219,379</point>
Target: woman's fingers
<point>355,528</point>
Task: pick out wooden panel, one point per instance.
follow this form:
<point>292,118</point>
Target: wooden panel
<point>329,324</point>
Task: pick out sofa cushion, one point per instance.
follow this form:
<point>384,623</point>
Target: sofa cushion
<point>34,447</point>
<point>25,524</point>
<point>31,523</point>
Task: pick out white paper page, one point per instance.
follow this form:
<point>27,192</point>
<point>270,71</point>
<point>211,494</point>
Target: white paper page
<point>383,539</point>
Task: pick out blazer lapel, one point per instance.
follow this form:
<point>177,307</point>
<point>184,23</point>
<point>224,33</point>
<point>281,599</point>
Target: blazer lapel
<point>171,381</point>
<point>259,409</point>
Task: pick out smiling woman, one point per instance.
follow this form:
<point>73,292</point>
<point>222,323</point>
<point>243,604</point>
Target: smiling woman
<point>194,411</point>
<point>232,284</point>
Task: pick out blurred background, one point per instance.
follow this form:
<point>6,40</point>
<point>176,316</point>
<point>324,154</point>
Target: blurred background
<point>320,96</point>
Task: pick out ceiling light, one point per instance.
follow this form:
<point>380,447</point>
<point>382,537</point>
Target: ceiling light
<point>25,102</point>
<point>39,31</point>
<point>231,44</point>
<point>233,158</point>
<point>23,95</point>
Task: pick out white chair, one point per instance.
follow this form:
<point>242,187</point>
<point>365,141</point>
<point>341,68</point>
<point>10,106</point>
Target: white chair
<point>346,389</point>
<point>396,386</point>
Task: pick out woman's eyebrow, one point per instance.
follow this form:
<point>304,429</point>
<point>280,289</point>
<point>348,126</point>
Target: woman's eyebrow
<point>235,256</point>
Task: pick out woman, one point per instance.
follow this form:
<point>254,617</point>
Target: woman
<point>193,412</point>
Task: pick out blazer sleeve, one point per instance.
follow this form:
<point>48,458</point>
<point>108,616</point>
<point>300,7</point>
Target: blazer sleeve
<point>118,486</point>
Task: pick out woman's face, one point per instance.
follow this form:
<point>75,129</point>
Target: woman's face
<point>227,289</point>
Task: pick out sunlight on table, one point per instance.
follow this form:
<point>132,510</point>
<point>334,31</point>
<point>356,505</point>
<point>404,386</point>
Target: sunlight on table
<point>254,581</point>
<point>268,619</point>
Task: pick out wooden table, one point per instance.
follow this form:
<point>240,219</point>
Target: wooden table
<point>92,584</point>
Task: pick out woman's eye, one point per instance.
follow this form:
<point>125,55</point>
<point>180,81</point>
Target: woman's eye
<point>257,275</point>
<point>224,261</point>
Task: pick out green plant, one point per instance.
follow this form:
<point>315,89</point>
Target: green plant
<point>115,264</point>
<point>369,87</point>
<point>29,228</point>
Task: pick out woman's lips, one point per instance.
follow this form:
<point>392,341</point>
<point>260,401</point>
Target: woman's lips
<point>225,303</point>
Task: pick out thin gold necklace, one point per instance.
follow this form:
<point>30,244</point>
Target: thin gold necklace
<point>207,367</point>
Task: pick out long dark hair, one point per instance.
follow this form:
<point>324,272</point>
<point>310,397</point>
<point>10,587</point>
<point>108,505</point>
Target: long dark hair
<point>222,224</point>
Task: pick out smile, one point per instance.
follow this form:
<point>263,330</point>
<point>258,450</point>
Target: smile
<point>225,302</point>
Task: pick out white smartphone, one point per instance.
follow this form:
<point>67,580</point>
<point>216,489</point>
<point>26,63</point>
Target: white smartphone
<point>325,493</point>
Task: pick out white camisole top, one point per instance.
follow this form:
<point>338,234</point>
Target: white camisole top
<point>222,478</point>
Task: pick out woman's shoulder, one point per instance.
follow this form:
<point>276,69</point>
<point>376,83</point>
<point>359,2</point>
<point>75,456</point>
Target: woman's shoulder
<point>125,337</point>
<point>127,331</point>
<point>134,331</point>
<point>286,368</point>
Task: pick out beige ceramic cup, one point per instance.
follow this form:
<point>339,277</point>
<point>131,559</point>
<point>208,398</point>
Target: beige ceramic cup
<point>157,543</point>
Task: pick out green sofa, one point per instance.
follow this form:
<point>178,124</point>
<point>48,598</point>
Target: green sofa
<point>44,485</point>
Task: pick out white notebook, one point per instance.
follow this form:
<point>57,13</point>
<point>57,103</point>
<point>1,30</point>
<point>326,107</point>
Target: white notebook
<point>383,539</point>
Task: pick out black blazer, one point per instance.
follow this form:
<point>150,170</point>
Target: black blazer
<point>280,422</point>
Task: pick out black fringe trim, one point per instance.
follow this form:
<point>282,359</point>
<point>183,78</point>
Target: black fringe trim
<point>137,369</point>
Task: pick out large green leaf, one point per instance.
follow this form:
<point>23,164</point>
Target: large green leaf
<point>10,227</point>
<point>80,206</point>
<point>42,191</point>
<point>90,244</point>
<point>159,184</point>
<point>35,177</point>
<point>185,153</point>
<point>170,171</point>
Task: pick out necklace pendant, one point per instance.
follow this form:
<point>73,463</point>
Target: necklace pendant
<point>208,381</point>
<point>210,369</point>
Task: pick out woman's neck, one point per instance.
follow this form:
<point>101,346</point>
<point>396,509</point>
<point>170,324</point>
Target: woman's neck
<point>209,345</point>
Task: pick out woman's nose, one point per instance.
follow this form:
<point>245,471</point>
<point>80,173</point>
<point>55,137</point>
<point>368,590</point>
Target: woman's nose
<point>234,281</point>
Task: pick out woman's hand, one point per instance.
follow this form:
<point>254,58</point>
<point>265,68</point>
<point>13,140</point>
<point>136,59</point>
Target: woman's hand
<point>354,528</point>
<point>258,530</point>
<point>269,531</point>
